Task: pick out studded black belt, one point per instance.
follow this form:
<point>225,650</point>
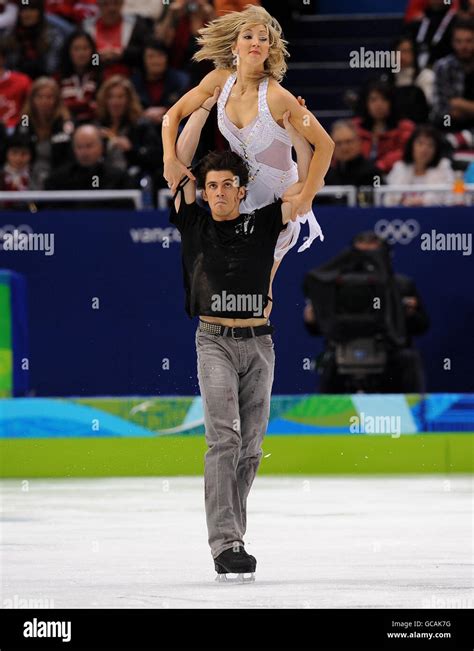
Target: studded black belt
<point>244,332</point>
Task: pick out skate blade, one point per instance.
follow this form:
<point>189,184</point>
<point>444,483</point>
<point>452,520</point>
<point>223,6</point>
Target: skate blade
<point>245,577</point>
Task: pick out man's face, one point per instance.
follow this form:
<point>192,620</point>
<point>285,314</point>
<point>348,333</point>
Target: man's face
<point>223,194</point>
<point>347,144</point>
<point>463,44</point>
<point>87,148</point>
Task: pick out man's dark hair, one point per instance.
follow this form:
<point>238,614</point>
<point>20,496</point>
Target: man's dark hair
<point>427,131</point>
<point>463,23</point>
<point>219,161</point>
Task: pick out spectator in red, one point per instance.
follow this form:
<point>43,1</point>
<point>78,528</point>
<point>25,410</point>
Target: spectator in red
<point>416,8</point>
<point>8,15</point>
<point>432,32</point>
<point>178,27</point>
<point>74,12</point>
<point>34,44</point>
<point>224,6</point>
<point>158,86</point>
<point>383,135</point>
<point>79,78</point>
<point>119,38</point>
<point>46,121</point>
<point>131,139</point>
<point>14,89</point>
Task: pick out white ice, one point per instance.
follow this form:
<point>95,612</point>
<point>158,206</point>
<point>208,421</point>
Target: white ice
<point>320,542</point>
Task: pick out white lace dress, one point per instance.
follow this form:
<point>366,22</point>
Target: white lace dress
<point>266,147</point>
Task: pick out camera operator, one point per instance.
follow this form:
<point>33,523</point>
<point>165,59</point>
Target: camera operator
<point>402,368</point>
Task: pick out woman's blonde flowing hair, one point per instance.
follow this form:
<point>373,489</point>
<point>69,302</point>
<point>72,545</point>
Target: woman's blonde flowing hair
<point>217,38</point>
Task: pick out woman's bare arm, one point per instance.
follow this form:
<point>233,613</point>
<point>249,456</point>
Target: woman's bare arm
<point>280,101</point>
<point>189,137</point>
<point>173,168</point>
<point>304,151</point>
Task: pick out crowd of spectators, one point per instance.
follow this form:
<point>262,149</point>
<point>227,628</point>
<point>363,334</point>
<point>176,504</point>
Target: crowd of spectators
<point>116,66</point>
<point>415,126</point>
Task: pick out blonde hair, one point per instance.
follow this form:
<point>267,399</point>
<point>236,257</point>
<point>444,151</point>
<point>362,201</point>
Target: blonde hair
<point>60,110</point>
<point>134,108</point>
<point>217,38</point>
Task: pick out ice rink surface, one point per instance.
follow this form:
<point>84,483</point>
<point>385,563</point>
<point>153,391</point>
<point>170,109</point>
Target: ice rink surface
<point>339,542</point>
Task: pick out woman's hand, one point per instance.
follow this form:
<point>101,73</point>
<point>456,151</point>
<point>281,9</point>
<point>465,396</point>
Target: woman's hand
<point>293,190</point>
<point>300,205</point>
<point>173,172</point>
<point>210,101</point>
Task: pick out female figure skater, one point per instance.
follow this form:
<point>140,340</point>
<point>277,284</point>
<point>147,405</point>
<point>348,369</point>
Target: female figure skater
<point>249,54</point>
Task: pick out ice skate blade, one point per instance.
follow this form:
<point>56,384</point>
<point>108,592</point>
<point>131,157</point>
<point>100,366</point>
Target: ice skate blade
<point>244,577</point>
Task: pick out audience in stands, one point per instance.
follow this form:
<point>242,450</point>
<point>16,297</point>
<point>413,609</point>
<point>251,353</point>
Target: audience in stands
<point>119,38</point>
<point>413,88</point>
<point>178,27</point>
<point>35,42</point>
<point>349,166</point>
<point>14,89</point>
<point>432,32</point>
<point>423,164</point>
<point>158,86</point>
<point>79,77</point>
<point>89,171</point>
<point>120,64</point>
<point>47,122</point>
<point>132,141</point>
<point>71,11</point>
<point>382,133</point>
<point>453,107</point>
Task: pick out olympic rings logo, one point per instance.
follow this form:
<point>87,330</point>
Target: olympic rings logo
<point>397,230</point>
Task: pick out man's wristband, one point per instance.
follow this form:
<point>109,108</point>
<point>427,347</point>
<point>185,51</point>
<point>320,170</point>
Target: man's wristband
<point>208,110</point>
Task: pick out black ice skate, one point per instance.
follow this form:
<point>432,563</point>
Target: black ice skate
<point>235,566</point>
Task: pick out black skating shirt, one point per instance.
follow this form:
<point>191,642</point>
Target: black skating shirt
<point>227,264</point>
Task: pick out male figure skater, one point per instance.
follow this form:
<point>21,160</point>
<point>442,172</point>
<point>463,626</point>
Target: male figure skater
<point>227,261</point>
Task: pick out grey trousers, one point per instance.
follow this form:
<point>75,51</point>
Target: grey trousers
<point>235,378</point>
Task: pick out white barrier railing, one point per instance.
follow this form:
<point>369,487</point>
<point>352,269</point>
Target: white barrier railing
<point>338,191</point>
<point>73,195</point>
<point>451,197</point>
